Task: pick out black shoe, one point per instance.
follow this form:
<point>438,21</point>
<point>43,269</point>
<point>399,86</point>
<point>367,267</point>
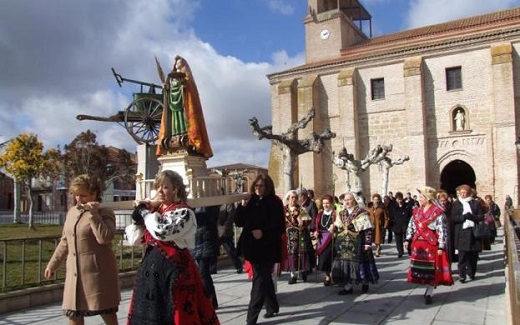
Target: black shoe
<point>304,276</point>
<point>292,280</point>
<point>399,255</point>
<point>472,277</point>
<point>240,270</point>
<point>270,314</point>
<point>462,280</point>
<point>428,300</point>
<point>214,302</point>
<point>327,283</point>
<point>345,292</point>
<point>364,288</point>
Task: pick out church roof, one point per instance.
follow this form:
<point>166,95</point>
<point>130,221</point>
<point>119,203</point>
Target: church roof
<point>451,28</point>
<point>422,38</point>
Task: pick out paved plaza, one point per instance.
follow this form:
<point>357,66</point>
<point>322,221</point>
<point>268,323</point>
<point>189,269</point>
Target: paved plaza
<point>391,301</point>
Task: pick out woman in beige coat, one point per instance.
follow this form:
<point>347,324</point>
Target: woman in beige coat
<point>91,281</point>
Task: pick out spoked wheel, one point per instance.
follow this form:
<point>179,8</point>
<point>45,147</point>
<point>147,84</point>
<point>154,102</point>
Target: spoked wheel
<point>143,119</point>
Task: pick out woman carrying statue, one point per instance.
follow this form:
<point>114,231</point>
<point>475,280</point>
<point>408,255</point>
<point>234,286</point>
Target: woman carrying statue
<point>168,288</point>
<point>354,262</point>
<point>91,281</point>
<point>297,223</point>
<point>182,113</point>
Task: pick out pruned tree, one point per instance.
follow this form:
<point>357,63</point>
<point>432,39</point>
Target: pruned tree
<point>385,165</point>
<point>347,162</point>
<point>291,146</point>
<point>25,160</point>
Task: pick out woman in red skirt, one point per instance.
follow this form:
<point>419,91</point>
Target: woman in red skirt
<point>427,232</point>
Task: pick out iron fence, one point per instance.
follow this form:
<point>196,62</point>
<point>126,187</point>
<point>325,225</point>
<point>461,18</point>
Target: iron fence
<point>47,218</point>
<point>23,260</point>
<point>512,236</point>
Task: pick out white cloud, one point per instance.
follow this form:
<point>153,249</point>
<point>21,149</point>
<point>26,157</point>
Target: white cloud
<point>429,12</point>
<point>56,65</point>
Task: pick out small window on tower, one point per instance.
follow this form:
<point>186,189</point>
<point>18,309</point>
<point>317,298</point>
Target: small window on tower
<point>454,78</point>
<point>378,88</point>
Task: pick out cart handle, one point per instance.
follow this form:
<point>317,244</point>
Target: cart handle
<point>120,81</point>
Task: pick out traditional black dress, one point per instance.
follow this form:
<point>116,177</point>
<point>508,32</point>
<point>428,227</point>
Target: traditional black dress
<point>354,264</point>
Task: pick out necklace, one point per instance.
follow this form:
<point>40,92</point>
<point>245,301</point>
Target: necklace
<point>326,223</point>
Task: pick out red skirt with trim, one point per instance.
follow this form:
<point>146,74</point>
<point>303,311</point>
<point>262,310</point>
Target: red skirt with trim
<point>427,267</point>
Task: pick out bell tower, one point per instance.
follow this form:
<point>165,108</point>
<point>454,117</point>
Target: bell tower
<point>333,25</point>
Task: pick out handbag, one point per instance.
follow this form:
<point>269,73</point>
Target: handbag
<point>481,230</point>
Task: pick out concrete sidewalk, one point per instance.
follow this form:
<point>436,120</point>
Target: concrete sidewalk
<point>392,301</point>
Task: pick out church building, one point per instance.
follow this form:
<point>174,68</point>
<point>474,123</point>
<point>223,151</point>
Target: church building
<point>444,95</point>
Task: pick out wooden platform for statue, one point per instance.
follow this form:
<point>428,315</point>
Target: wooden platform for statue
<point>194,203</point>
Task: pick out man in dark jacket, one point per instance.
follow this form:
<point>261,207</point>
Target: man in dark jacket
<point>206,246</point>
<point>226,233</point>
<point>400,214</point>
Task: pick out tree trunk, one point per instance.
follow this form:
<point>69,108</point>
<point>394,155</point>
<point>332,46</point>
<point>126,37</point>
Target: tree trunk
<point>288,169</point>
<point>384,189</point>
<point>29,197</point>
<point>16,210</point>
<point>358,187</point>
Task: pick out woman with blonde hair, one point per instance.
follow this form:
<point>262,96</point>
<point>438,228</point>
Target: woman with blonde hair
<point>427,233</point>
<point>168,277</point>
<point>91,282</point>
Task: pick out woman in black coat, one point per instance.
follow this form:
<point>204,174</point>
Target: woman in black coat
<point>261,243</point>
<point>466,212</point>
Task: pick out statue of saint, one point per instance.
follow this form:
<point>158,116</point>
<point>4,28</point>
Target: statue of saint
<point>460,120</point>
<point>182,122</point>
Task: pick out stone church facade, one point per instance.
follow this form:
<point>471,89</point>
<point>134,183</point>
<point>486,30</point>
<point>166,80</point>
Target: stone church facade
<point>445,95</point>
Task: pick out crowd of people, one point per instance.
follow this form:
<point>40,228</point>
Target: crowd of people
<point>341,236</point>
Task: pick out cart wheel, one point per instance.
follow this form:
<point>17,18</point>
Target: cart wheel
<point>143,119</point>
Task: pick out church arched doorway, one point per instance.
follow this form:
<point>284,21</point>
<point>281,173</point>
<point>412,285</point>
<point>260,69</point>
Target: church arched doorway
<point>457,173</point>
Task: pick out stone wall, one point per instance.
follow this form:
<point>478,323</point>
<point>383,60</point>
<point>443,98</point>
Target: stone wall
<point>416,117</point>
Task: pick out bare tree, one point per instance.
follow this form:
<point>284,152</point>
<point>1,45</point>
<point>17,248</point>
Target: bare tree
<point>384,166</point>
<point>347,162</point>
<point>290,145</point>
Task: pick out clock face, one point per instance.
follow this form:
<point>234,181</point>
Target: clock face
<point>324,34</point>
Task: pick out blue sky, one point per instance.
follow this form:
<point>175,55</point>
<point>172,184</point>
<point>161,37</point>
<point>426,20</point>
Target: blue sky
<point>57,54</point>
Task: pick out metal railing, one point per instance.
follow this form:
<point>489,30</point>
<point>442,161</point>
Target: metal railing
<point>512,238</point>
<point>23,261</point>
<point>47,218</point>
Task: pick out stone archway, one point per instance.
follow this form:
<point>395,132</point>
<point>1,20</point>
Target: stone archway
<point>456,173</point>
